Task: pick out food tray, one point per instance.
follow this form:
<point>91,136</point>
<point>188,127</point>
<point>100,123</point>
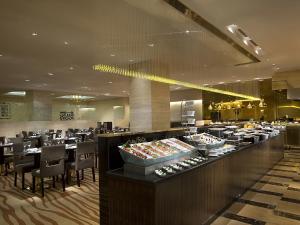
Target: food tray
<point>180,152</point>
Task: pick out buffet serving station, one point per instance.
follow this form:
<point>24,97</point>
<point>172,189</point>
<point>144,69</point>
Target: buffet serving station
<point>171,178</point>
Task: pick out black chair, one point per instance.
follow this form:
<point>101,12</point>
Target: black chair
<point>85,158</point>
<point>22,164</point>
<point>25,135</point>
<point>52,164</point>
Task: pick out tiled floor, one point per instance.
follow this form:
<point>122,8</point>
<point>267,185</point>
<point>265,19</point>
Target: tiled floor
<point>275,199</point>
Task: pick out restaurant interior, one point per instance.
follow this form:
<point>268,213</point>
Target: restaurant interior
<point>149,112</point>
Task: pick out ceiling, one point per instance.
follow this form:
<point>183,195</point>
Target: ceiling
<point>72,36</point>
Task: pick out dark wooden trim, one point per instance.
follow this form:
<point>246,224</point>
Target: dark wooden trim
<point>194,197</point>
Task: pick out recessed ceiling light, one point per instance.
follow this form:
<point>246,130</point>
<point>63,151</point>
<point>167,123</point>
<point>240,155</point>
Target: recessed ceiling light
<point>71,68</point>
<point>16,93</point>
<point>34,34</point>
<point>257,78</point>
<point>232,28</point>
<point>51,74</point>
<point>44,84</point>
<point>222,82</point>
<point>66,43</point>
<point>107,94</point>
<point>151,45</point>
<point>131,60</point>
<point>112,55</point>
<point>277,68</point>
<point>187,31</point>
<point>110,82</point>
<point>1,55</point>
<point>273,64</point>
<point>238,80</point>
<point>52,94</point>
<point>124,91</point>
<point>27,80</point>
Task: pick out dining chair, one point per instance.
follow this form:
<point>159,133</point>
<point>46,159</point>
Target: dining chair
<point>22,163</point>
<point>24,133</point>
<point>82,162</point>
<point>52,164</point>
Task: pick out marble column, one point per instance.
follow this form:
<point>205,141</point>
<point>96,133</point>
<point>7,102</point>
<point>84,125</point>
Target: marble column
<point>149,102</point>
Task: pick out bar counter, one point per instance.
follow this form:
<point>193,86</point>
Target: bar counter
<point>194,196</point>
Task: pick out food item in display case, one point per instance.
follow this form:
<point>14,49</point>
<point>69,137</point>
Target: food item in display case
<point>180,145</point>
<point>149,153</point>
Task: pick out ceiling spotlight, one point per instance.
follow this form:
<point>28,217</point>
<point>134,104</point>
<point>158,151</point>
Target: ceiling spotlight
<point>273,64</point>
<point>34,34</point>
<point>27,80</point>
<point>257,78</point>
<point>131,60</point>
<point>110,82</point>
<point>124,91</point>
<point>1,55</point>
<point>112,55</point>
<point>238,80</point>
<point>50,74</point>
<point>187,31</point>
<point>151,45</point>
<point>232,28</point>
<point>222,82</point>
<point>107,94</point>
<point>246,40</point>
<point>277,68</point>
<point>66,43</point>
<point>71,68</point>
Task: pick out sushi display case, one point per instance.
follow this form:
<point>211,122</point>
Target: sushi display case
<point>145,158</point>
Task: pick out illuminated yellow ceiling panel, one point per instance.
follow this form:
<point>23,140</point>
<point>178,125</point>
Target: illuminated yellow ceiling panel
<point>152,77</point>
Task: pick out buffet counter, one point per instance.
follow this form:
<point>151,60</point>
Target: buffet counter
<point>193,196</point>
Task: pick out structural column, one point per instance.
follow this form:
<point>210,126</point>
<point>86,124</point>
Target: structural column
<point>41,106</point>
<point>149,101</point>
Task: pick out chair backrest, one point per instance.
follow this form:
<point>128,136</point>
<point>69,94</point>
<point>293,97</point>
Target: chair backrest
<point>19,157</point>
<point>24,133</point>
<point>85,155</point>
<point>52,160</point>
<point>16,140</point>
<point>2,140</point>
<point>30,133</point>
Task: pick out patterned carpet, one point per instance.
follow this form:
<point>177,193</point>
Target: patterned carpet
<point>274,200</point>
<point>75,206</point>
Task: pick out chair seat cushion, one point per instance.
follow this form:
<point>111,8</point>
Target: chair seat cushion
<point>24,166</point>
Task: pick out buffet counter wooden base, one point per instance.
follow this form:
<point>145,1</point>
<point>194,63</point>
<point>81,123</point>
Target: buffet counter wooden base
<point>193,197</point>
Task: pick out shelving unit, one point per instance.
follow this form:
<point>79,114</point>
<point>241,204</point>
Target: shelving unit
<point>188,119</point>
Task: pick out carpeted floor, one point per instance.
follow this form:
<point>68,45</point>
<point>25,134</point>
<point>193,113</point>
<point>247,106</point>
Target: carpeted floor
<point>275,199</point>
<point>76,205</point>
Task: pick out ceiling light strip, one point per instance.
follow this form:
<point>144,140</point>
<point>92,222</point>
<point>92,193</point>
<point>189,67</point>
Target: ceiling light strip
<point>153,77</point>
<point>289,106</point>
<point>210,27</point>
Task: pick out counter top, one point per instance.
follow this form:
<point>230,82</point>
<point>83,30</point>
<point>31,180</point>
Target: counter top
<point>135,133</point>
<point>152,178</point>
